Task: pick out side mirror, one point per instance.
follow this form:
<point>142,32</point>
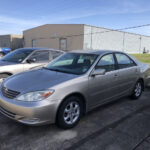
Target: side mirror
<point>31,60</point>
<point>98,72</point>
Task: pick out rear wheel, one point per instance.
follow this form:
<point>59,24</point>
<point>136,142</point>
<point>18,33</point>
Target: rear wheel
<point>138,89</point>
<point>70,112</point>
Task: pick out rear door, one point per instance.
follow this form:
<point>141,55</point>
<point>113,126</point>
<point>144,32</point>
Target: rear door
<point>41,58</point>
<point>127,72</point>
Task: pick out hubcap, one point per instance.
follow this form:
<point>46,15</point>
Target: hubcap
<point>1,55</point>
<point>138,89</point>
<point>71,113</point>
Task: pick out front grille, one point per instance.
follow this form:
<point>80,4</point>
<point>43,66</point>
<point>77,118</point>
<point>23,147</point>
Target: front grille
<point>7,113</point>
<point>9,93</point>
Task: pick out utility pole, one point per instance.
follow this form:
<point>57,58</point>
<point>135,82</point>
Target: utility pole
<point>140,44</point>
<point>123,43</point>
<point>91,37</point>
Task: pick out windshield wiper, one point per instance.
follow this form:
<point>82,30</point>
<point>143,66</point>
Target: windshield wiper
<point>57,70</point>
<point>51,69</point>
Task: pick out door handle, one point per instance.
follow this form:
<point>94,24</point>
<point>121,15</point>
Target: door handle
<point>116,75</point>
<point>136,70</point>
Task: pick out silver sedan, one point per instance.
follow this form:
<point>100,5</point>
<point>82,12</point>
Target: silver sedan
<point>70,86</point>
<point>24,59</point>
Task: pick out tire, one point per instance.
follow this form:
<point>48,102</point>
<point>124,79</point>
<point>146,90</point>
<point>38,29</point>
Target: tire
<point>1,54</point>
<point>4,76</point>
<point>70,112</point>
<point>137,91</point>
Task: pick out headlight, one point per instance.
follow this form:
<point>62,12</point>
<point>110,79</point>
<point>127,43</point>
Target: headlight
<point>35,96</point>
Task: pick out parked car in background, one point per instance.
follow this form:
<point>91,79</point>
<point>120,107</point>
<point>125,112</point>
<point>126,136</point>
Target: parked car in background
<point>25,59</point>
<point>70,86</point>
<point>4,51</point>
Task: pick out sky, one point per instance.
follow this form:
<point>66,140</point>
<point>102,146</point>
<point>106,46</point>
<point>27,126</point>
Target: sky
<point>19,15</point>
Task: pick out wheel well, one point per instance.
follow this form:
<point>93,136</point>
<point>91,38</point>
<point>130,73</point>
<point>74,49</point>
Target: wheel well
<point>78,95</point>
<point>8,73</point>
<point>142,81</point>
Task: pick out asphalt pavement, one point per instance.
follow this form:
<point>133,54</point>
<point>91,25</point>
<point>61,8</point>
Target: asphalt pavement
<point>121,125</point>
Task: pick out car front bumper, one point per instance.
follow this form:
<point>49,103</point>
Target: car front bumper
<point>30,113</point>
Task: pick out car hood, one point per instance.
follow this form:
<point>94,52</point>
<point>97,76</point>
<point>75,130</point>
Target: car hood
<point>35,80</point>
<point>5,63</point>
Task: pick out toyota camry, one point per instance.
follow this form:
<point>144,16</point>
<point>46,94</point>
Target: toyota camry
<point>70,86</point>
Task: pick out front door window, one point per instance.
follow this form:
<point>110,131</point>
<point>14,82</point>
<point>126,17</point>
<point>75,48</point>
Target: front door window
<point>107,62</point>
<point>40,56</point>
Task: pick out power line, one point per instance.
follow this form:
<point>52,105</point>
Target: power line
<point>91,33</point>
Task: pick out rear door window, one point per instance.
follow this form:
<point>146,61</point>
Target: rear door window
<point>124,61</point>
<point>55,54</point>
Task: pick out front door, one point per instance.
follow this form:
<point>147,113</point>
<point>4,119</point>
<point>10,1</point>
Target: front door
<point>103,88</point>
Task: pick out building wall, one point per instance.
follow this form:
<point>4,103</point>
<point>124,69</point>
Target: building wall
<point>11,41</point>
<point>49,36</point>
<point>145,43</point>
<point>16,41</point>
<point>78,36</point>
<point>102,38</point>
<point>5,41</point>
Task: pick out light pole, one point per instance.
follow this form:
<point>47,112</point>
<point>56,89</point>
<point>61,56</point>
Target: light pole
<point>123,42</point>
<point>140,44</point>
<point>91,37</point>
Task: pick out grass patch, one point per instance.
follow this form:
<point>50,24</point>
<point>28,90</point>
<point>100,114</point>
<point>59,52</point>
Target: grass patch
<point>145,58</point>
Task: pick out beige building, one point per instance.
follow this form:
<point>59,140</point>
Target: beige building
<point>11,41</point>
<point>57,36</point>
<point>81,36</point>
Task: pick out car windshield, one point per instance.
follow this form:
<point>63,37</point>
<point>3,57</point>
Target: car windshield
<point>74,63</point>
<point>17,56</point>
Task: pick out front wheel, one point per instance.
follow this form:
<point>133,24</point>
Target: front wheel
<point>137,91</point>
<point>3,76</point>
<point>70,112</point>
<point>1,54</point>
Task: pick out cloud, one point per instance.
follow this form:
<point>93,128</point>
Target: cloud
<point>12,20</point>
<point>17,25</point>
<point>143,31</point>
<point>119,7</point>
<point>13,25</point>
<point>134,6</point>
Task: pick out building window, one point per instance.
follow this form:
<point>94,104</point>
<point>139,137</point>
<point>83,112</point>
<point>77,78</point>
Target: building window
<point>33,43</point>
<point>63,44</point>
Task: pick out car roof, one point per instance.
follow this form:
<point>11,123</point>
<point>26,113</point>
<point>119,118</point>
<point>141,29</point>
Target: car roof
<point>97,52</point>
<point>38,48</point>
